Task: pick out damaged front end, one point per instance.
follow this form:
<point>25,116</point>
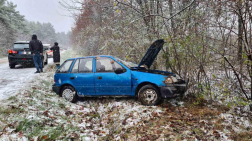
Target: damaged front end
<point>174,87</point>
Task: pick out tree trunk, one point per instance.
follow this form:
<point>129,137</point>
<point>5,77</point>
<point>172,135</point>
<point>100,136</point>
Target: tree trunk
<point>171,14</point>
<point>239,34</point>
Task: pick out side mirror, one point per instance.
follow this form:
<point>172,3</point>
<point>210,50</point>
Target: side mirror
<point>119,70</point>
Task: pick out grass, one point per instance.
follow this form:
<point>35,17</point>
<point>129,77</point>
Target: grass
<point>53,133</point>
<point>94,115</point>
<point>54,124</point>
<point>12,98</point>
<point>47,84</point>
<point>11,110</point>
<point>40,99</point>
<point>242,136</point>
<point>62,105</point>
<point>33,126</point>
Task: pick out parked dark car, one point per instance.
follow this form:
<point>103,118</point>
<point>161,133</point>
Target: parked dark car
<point>20,54</point>
<point>110,76</point>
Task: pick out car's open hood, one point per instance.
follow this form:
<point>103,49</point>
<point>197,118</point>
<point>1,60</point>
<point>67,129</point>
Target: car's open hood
<point>152,53</point>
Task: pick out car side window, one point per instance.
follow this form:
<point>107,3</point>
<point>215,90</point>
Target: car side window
<point>75,68</point>
<point>65,67</point>
<point>104,64</point>
<point>86,65</point>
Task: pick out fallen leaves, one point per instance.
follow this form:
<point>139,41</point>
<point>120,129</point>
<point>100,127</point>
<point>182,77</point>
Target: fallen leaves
<point>216,134</point>
<point>45,113</point>
<point>68,113</point>
<point>20,134</point>
<point>108,119</point>
<point>44,137</point>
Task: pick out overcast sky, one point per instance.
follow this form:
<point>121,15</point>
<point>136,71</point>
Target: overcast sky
<point>45,11</point>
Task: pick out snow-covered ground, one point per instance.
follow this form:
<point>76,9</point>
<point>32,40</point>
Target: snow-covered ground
<point>12,80</point>
<point>37,113</point>
<point>3,60</point>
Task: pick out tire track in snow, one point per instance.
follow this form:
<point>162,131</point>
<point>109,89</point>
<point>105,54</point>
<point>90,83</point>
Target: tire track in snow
<point>12,80</point>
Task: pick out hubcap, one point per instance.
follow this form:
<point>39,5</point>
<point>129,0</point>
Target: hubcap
<point>68,94</point>
<point>150,96</point>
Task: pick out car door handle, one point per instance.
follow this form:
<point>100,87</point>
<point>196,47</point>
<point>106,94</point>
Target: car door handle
<point>72,78</point>
<point>99,77</point>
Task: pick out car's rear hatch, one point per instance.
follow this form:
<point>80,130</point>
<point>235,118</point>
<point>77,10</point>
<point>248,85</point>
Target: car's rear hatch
<point>22,48</point>
<point>22,51</point>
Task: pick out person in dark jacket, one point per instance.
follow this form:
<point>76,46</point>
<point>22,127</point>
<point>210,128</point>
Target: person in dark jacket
<point>56,54</point>
<point>36,48</point>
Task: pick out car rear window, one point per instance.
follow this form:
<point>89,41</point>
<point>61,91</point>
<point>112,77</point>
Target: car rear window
<point>21,46</point>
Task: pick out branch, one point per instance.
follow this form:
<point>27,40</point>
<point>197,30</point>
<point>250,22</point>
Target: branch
<point>179,11</point>
<point>237,76</point>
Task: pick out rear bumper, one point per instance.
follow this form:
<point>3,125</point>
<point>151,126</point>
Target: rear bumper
<point>56,89</point>
<point>173,90</point>
<point>20,60</point>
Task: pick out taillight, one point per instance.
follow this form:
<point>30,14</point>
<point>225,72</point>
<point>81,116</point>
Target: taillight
<point>12,52</point>
<point>54,81</point>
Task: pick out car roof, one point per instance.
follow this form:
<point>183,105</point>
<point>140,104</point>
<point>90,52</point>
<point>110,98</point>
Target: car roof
<point>91,57</point>
<point>21,42</point>
<point>46,45</point>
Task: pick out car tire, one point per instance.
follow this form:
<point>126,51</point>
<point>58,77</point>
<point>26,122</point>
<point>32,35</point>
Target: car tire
<point>43,63</point>
<point>46,61</point>
<point>69,93</point>
<point>149,95</point>
<point>12,66</point>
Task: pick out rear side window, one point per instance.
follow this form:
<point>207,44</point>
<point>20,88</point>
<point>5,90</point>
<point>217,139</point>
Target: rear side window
<point>21,46</point>
<point>65,67</point>
<point>86,65</point>
<point>75,68</point>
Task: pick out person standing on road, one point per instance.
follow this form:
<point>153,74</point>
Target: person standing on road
<point>56,54</point>
<point>36,48</point>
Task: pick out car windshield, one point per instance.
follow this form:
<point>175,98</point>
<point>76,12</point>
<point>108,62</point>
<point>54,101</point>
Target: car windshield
<point>21,46</point>
<point>127,64</point>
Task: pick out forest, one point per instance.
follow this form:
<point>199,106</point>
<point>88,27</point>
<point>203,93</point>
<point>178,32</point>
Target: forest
<point>208,42</point>
<point>14,27</point>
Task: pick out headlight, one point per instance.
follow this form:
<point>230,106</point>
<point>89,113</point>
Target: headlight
<point>171,79</point>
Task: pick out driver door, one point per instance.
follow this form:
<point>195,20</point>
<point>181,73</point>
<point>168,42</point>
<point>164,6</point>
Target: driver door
<point>107,82</point>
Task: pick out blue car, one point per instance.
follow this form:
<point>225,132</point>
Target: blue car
<point>105,75</point>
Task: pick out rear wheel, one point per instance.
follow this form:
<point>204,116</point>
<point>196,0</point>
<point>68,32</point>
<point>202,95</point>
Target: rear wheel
<point>12,66</point>
<point>149,95</point>
<point>69,94</point>
<point>43,62</point>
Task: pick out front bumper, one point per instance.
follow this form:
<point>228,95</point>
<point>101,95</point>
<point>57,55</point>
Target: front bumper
<point>56,89</point>
<point>50,56</point>
<point>174,90</point>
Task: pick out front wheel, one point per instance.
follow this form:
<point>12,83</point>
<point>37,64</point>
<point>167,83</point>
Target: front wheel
<point>149,95</point>
<point>46,60</point>
<point>69,94</point>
